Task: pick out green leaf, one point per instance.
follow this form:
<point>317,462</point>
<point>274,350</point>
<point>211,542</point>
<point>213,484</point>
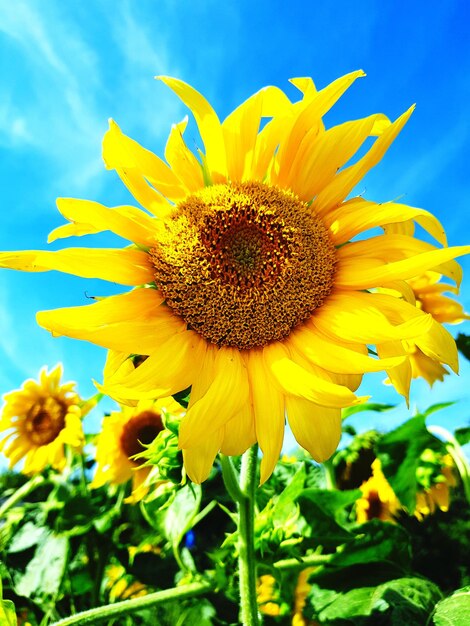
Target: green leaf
<point>399,452</point>
<point>463,344</point>
<point>7,613</point>
<point>27,537</point>
<point>454,610</point>
<point>7,610</point>
<point>325,530</point>
<point>376,542</point>
<point>333,503</point>
<point>436,407</point>
<point>368,406</point>
<point>176,519</point>
<point>44,573</point>
<point>463,435</point>
<point>285,502</point>
<point>394,603</point>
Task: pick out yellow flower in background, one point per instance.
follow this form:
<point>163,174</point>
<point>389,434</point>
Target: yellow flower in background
<point>429,294</point>
<point>427,291</point>
<point>437,495</point>
<point>378,499</point>
<point>39,419</point>
<point>246,284</point>
<point>301,592</point>
<point>268,595</point>
<point>124,434</point>
<point>121,586</point>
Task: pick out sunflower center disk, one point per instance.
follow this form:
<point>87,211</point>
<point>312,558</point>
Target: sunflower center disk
<point>243,264</point>
<point>44,421</point>
<point>139,432</point>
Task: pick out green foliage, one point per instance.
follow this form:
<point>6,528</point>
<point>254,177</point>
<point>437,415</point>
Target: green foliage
<point>7,610</point>
<point>400,452</point>
<point>43,575</point>
<point>66,547</point>
<point>463,344</point>
<point>396,602</point>
<point>454,610</point>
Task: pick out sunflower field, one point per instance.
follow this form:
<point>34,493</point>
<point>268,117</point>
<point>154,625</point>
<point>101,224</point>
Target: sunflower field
<point>257,291</point>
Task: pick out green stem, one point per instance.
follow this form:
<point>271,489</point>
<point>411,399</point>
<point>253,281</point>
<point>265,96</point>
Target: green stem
<point>22,492</point>
<point>246,534</point>
<point>329,473</point>
<point>457,454</point>
<point>108,611</point>
<point>306,561</point>
<point>231,478</point>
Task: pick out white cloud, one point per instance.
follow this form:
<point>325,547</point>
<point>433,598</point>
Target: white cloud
<point>50,95</point>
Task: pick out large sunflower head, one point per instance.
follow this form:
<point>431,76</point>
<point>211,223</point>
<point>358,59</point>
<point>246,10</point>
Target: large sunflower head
<point>125,434</point>
<point>39,419</point>
<point>249,285</point>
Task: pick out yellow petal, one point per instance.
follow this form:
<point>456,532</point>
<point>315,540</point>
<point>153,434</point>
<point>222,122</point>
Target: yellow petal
<point>359,317</point>
<point>23,260</point>
<point>128,222</point>
<point>268,408</point>
<point>335,356</point>
<point>121,153</point>
<point>171,369</point>
<point>316,428</point>
<point>319,156</point>
<point>357,274</point>
<point>126,266</point>
<point>239,433</point>
<point>295,380</point>
<point>182,161</point>
<point>359,215</point>
<point>198,461</point>
<point>71,230</point>
<point>240,131</point>
<point>440,346</point>
<point>347,179</point>
<point>138,304</point>
<point>225,397</point>
<point>132,336</point>
<point>207,121</point>
<point>400,375</point>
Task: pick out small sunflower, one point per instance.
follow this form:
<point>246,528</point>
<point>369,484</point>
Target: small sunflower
<point>268,595</point>
<point>122,586</point>
<point>436,494</point>
<point>124,434</point>
<point>39,419</point>
<point>302,590</point>
<point>427,292</point>
<point>247,282</point>
<point>378,499</point>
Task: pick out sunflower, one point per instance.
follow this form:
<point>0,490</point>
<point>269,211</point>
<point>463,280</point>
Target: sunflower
<point>378,500</point>
<point>247,282</point>
<point>302,590</point>
<point>427,291</point>
<point>122,586</point>
<point>267,595</point>
<point>39,419</point>
<point>436,494</point>
<point>124,434</point>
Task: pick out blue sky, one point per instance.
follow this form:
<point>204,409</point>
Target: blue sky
<point>66,67</point>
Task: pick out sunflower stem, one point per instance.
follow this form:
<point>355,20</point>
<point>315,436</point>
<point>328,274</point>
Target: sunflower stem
<point>22,492</point>
<point>246,536</point>
<point>108,611</point>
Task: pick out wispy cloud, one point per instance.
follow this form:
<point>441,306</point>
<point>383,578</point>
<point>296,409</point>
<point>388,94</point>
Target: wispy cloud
<point>46,107</point>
